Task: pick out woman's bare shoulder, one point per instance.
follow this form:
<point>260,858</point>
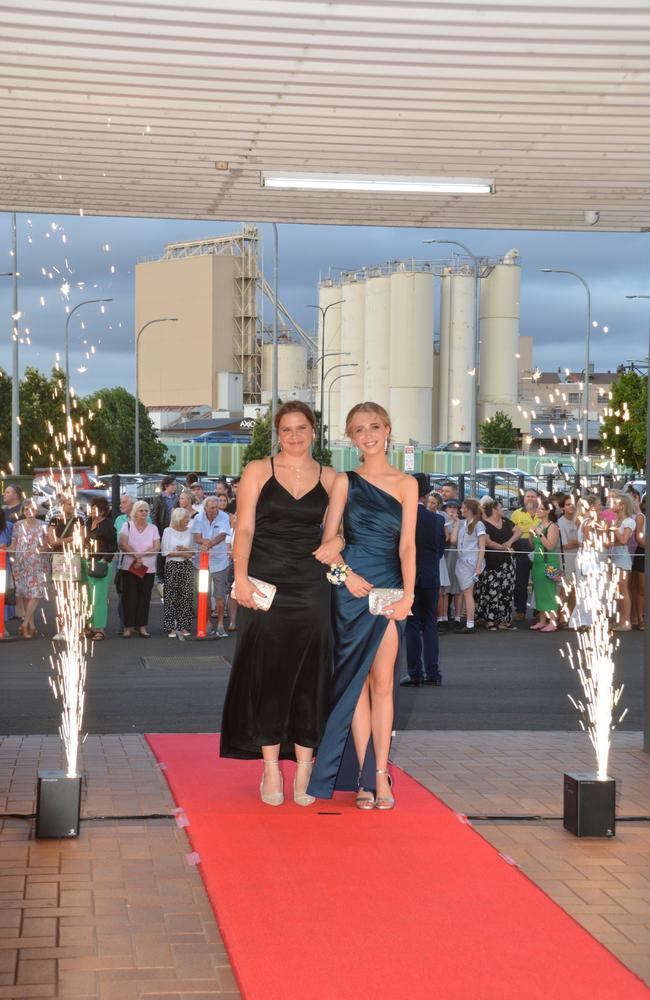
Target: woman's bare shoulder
<point>406,483</point>
<point>259,468</point>
<point>329,476</point>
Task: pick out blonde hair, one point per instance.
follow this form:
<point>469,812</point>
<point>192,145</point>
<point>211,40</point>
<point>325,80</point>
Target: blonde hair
<point>179,514</point>
<point>628,503</point>
<point>138,506</point>
<point>368,407</point>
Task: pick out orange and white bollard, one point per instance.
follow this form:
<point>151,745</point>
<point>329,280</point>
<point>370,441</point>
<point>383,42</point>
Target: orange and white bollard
<point>3,587</point>
<point>204,587</point>
<point>4,635</point>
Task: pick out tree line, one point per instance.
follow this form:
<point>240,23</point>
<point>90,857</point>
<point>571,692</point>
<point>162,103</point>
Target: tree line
<point>104,423</point>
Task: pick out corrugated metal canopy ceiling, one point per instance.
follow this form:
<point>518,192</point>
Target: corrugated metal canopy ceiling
<point>127,108</point>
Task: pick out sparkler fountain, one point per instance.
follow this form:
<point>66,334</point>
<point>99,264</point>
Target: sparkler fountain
<point>590,799</point>
<point>59,792</point>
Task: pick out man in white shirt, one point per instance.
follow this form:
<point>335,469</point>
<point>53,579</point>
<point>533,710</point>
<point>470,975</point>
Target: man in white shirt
<point>211,531</point>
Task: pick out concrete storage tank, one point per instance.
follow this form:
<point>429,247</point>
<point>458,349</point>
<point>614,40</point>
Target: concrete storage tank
<point>292,367</point>
<point>377,340</point>
<point>350,388</point>
<point>461,355</point>
<point>329,293</point>
<point>443,361</point>
<point>500,337</point>
<point>411,355</point>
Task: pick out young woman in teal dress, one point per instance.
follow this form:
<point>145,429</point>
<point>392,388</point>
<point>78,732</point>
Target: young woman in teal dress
<point>378,507</point>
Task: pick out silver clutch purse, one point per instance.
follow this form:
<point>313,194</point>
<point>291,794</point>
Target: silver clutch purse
<point>268,589</point>
<point>380,597</point>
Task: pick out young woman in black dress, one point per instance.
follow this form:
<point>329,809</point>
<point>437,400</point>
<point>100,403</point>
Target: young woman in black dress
<point>278,695</point>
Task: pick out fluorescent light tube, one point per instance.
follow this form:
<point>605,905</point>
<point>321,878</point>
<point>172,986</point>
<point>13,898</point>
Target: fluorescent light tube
<point>377,183</point>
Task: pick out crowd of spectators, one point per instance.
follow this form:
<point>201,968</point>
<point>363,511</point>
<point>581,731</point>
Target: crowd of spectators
<point>501,570</point>
<point>499,565</point>
<point>147,543</point>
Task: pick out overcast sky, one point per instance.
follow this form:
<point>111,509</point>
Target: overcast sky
<point>97,257</point>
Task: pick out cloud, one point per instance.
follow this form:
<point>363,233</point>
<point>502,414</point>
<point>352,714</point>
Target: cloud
<point>71,248</point>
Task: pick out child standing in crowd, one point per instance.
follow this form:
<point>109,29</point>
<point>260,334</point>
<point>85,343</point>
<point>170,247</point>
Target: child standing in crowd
<point>452,594</point>
<point>469,537</point>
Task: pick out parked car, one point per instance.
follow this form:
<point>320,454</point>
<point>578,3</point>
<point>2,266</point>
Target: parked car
<point>453,446</point>
<point>563,473</point>
<point>81,477</point>
<point>507,485</point>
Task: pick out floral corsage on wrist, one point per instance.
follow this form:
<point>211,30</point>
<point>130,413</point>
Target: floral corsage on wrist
<point>338,573</point>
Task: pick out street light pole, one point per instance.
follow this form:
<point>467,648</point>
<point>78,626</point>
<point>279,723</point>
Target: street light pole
<point>163,319</point>
<point>329,391</point>
<point>323,311</point>
<point>15,374</point>
<point>274,349</point>
<point>585,384</point>
<point>476,261</point>
<point>68,435</point>
<point>15,368</point>
<point>646,651</point>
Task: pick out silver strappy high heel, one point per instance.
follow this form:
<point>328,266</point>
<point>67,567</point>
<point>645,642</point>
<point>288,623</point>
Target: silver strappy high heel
<point>385,802</point>
<point>302,798</point>
<point>274,798</point>
<point>362,801</point>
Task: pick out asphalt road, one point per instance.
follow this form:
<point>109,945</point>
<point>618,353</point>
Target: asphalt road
<point>513,680</point>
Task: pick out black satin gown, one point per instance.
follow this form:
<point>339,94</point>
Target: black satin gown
<point>280,680</point>
<point>372,527</point>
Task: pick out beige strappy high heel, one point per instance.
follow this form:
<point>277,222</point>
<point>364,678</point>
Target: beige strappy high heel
<point>385,802</point>
<point>302,798</point>
<point>274,798</point>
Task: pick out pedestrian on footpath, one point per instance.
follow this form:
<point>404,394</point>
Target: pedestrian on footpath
<point>211,531</point>
<point>469,536</point>
<point>524,518</point>
<point>178,548</point>
<point>421,625</point>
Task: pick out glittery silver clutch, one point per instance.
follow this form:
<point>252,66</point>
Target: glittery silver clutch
<point>380,597</point>
<point>268,589</point>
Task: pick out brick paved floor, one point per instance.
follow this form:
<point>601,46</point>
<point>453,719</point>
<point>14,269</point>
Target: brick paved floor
<point>604,884</point>
<point>120,914</point>
<point>117,914</point>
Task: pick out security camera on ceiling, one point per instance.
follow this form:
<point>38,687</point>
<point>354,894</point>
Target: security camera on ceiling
<point>591,218</point>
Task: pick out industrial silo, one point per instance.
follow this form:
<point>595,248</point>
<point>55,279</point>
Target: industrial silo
<point>292,368</point>
<point>349,388</point>
<point>500,337</point>
<point>377,339</point>
<point>461,355</point>
<point>329,296</point>
<point>411,355</point>
<point>443,360</point>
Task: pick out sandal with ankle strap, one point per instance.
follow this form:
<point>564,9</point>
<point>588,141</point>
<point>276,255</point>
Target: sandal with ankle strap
<point>385,802</point>
<point>362,801</point>
<point>302,798</point>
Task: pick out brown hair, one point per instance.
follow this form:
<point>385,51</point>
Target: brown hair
<point>471,504</point>
<point>295,406</point>
<point>367,407</point>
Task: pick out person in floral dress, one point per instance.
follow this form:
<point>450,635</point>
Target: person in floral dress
<point>28,543</point>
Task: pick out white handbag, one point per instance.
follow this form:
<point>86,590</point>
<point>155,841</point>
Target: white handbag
<point>268,589</point>
<point>381,597</point>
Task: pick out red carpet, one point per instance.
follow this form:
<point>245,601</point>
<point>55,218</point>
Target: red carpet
<point>327,903</point>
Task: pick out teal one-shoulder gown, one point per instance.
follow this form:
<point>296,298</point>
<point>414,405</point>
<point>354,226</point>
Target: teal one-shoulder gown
<point>372,525</point>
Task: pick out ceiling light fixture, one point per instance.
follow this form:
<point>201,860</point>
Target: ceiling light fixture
<point>380,183</point>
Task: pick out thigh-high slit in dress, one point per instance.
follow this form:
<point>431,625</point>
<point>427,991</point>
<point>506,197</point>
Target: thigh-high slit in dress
<point>278,691</point>
<point>372,526</point>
